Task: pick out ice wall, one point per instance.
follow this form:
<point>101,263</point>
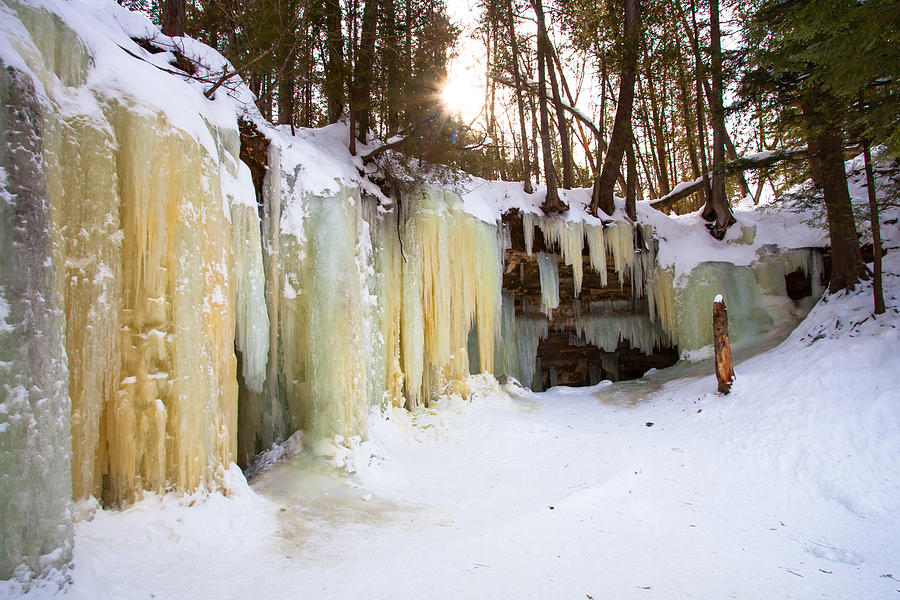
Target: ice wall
<point>755,295</point>
<point>158,266</point>
<point>369,305</point>
<point>149,293</point>
<point>35,484</point>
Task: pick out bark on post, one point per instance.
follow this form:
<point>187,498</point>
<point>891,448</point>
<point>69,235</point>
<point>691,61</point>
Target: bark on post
<point>724,370</point>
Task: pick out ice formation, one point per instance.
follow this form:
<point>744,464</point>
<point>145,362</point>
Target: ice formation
<point>549,270</point>
<point>756,296</point>
<point>36,535</point>
<point>145,268</point>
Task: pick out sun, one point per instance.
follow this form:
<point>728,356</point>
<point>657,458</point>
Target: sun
<point>463,93</point>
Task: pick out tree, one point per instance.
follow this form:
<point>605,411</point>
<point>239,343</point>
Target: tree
<point>552,203</point>
<point>604,186</point>
<point>799,63</point>
<point>717,208</point>
<point>335,75</point>
<point>173,20</point>
<point>519,92</point>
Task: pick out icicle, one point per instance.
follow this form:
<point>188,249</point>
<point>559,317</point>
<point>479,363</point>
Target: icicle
<point>644,266</point>
<point>528,231</point>
<point>816,273</point>
<point>506,349</point>
<point>606,331</point>
<point>597,250</point>
<point>450,295</point>
<point>568,238</point>
<point>549,272</point>
<point>149,300</point>
<point>620,244</point>
<point>529,332</point>
<point>252,334</point>
<point>608,307</point>
<point>661,302</point>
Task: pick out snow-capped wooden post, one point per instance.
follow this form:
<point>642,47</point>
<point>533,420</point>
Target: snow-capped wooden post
<point>724,370</point>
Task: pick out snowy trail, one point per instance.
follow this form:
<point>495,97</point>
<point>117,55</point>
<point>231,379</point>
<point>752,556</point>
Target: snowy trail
<point>571,494</point>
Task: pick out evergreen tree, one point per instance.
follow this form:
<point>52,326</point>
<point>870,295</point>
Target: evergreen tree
<point>808,60</point>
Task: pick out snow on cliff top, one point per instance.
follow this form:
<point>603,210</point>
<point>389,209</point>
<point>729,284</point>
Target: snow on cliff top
<point>115,66</point>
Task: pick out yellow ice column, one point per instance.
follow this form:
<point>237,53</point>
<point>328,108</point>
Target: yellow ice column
<point>148,299</point>
<point>142,247</point>
<point>86,236</point>
<point>661,302</point>
<point>451,280</point>
<point>172,423</point>
<point>387,294</point>
<point>80,162</point>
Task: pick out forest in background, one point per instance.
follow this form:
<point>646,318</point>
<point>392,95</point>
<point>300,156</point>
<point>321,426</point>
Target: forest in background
<point>733,97</point>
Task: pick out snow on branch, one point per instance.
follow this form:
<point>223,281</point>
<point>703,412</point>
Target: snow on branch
<point>759,160</point>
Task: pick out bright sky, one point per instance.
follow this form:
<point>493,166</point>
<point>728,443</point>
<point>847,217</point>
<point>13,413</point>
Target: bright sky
<point>464,91</point>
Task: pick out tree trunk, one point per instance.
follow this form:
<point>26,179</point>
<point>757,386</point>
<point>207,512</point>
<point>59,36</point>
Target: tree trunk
<point>717,209</point>
<point>361,98</point>
<point>520,101</point>
<point>535,139</point>
<point>649,135</point>
<point>826,167</point>
<point>688,121</point>
<point>724,368</point>
<point>602,195</point>
<point>604,83</point>
<point>631,183</point>
<point>876,232</point>
<point>692,32</point>
<point>552,202</point>
<point>286,96</point>
<point>333,86</point>
<point>173,20</point>
<point>642,161</point>
<point>562,125</point>
<point>659,141</point>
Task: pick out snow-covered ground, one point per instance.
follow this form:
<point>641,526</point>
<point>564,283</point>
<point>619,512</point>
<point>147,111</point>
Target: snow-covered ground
<point>789,487</point>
